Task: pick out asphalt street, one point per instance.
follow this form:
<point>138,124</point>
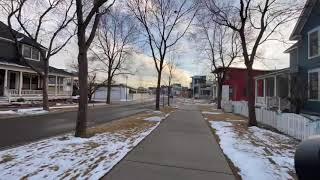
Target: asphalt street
<point>21,130</point>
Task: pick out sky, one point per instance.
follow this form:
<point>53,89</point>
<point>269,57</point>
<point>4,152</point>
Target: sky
<point>189,61</point>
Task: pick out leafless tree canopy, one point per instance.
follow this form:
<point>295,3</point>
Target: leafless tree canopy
<point>255,21</point>
<point>114,44</point>
<point>163,23</point>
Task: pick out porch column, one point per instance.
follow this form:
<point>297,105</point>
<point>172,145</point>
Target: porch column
<point>5,82</point>
<point>71,86</point>
<point>255,91</point>
<point>56,87</point>
<point>264,92</point>
<point>20,83</point>
<point>275,86</point>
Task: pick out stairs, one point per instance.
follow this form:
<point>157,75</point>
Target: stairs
<point>4,100</point>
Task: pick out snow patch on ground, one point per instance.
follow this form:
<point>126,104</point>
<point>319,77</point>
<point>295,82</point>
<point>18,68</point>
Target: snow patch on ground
<point>154,119</point>
<point>68,157</point>
<point>252,154</point>
<point>208,112</point>
<point>8,112</point>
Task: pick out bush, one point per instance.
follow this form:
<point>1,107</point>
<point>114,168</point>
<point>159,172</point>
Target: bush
<point>20,100</point>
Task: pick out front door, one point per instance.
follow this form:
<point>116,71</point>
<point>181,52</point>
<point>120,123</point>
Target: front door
<point>2,72</point>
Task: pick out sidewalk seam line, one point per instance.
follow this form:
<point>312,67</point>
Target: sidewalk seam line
<point>180,167</point>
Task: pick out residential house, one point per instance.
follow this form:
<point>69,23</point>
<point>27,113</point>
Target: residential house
<point>19,80</point>
<point>201,88</point>
<point>304,61</point>
<point>234,87</point>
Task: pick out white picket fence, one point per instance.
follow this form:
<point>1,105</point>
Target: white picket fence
<point>291,124</point>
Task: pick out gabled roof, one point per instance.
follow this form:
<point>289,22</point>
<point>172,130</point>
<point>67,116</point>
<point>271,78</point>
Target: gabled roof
<point>36,64</point>
<point>294,46</point>
<point>5,33</point>
<point>303,18</point>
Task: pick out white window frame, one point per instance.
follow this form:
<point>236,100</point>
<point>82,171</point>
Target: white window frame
<point>312,31</point>
<point>312,71</point>
<point>31,53</point>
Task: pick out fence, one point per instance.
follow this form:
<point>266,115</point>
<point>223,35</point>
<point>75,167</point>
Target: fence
<point>291,124</point>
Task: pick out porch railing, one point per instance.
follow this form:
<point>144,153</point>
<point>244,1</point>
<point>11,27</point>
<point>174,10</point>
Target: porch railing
<point>273,102</point>
<point>15,93</point>
<point>260,101</point>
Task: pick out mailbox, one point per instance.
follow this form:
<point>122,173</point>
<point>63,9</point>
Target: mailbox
<point>307,159</point>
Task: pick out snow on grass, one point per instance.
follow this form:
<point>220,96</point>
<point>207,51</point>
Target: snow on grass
<point>154,119</point>
<point>209,112</point>
<point>258,153</point>
<point>68,157</point>
<point>30,111</point>
<point>8,112</point>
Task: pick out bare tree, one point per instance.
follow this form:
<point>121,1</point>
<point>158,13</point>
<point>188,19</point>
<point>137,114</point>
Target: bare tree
<point>41,30</point>
<point>164,23</point>
<point>86,16</point>
<point>171,65</point>
<point>93,81</point>
<point>221,47</point>
<point>114,44</point>
<point>255,21</point>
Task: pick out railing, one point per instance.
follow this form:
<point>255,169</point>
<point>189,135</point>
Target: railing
<point>31,92</point>
<point>260,101</point>
<point>15,93</point>
<point>273,103</point>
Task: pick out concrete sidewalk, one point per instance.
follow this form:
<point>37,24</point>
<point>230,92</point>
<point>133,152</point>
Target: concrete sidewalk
<point>182,147</point>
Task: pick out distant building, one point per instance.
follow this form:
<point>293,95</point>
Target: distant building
<point>176,90</point>
<point>119,92</point>
<point>200,88</point>
<point>235,86</point>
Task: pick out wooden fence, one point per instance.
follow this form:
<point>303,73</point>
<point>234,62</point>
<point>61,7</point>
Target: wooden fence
<point>294,125</point>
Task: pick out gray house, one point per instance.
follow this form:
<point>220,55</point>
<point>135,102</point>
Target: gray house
<point>304,64</point>
<point>19,80</point>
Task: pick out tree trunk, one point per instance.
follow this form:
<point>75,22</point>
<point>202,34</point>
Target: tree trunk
<point>169,95</point>
<point>82,120</point>
<point>219,94</point>
<point>109,91</point>
<point>45,99</point>
<point>251,98</point>
<point>158,91</point>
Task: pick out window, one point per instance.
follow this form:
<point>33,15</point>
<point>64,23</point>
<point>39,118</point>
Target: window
<point>30,52</point>
<point>313,85</point>
<point>27,51</point>
<point>35,54</point>
<point>313,40</point>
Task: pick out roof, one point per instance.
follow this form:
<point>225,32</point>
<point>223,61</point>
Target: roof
<point>276,72</point>
<point>239,68</point>
<point>36,64</point>
<point>303,18</point>
<point>294,46</point>
<point>5,33</point>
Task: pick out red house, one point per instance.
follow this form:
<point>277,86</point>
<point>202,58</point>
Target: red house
<point>236,83</point>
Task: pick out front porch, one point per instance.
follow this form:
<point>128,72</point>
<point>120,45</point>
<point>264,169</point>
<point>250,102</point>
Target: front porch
<point>272,90</point>
<point>28,85</point>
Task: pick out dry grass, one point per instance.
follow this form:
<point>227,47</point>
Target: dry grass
<point>6,158</point>
<point>127,126</point>
<point>224,117</point>
<point>168,109</point>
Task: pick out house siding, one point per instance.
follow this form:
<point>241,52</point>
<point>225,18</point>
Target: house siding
<point>7,49</point>
<point>306,64</point>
